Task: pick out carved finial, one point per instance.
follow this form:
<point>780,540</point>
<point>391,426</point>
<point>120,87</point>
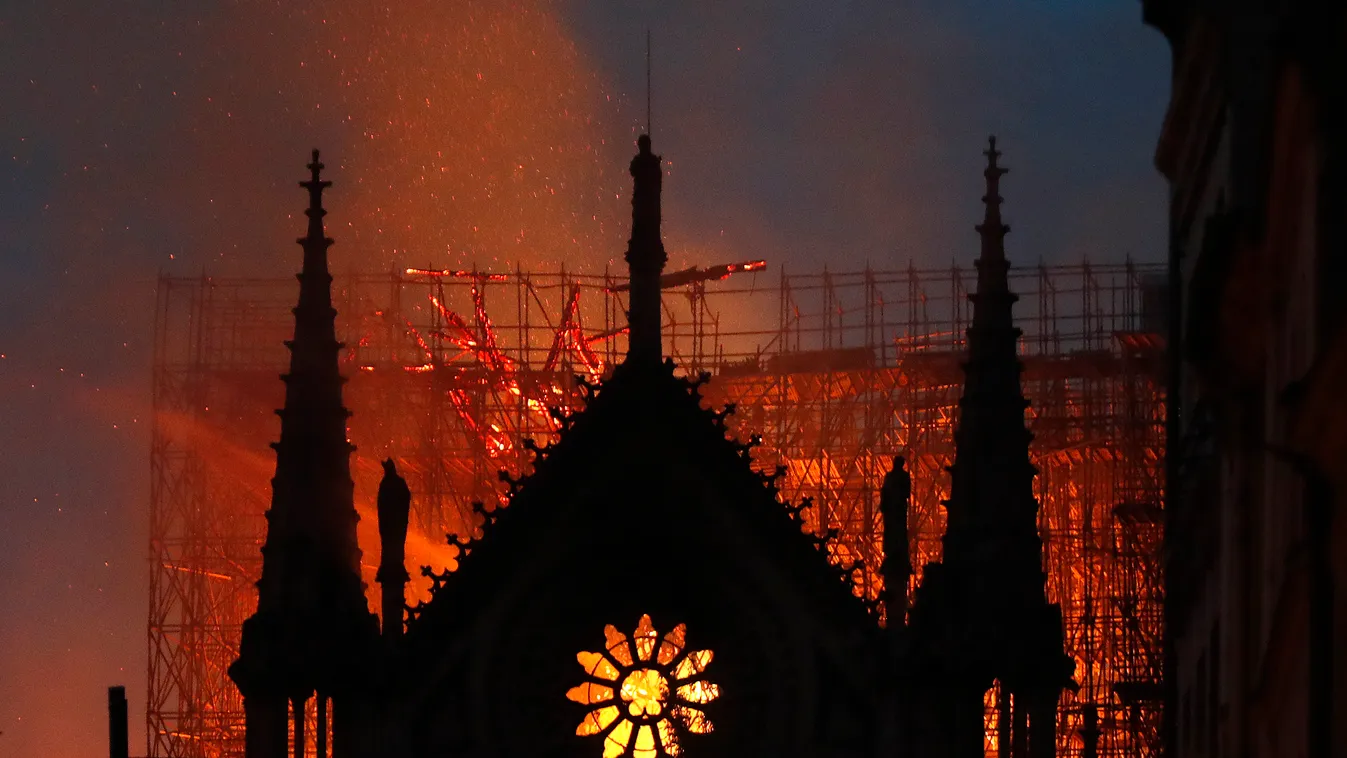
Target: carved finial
<point>994,170</point>
<point>315,185</point>
<point>992,229</point>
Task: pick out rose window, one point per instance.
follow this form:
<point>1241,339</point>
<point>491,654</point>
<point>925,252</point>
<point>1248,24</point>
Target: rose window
<point>645,692</point>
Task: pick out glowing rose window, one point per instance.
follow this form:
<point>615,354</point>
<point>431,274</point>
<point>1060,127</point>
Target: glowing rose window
<point>645,692</point>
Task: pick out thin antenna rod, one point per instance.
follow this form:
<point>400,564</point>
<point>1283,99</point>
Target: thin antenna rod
<point>649,126</point>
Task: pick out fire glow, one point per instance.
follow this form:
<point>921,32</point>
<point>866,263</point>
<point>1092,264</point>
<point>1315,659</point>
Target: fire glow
<point>453,399</point>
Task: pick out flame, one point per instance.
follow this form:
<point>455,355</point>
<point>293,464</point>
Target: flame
<point>460,274</point>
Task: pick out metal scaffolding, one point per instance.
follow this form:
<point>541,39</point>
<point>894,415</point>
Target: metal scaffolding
<point>838,372</point>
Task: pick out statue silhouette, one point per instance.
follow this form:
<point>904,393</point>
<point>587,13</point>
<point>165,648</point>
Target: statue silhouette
<point>895,497</point>
<point>394,509</point>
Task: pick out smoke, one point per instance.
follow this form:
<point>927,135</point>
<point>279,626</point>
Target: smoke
<point>143,138</point>
<point>846,133</point>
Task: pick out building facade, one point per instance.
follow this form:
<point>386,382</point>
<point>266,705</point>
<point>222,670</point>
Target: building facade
<point>1254,146</point>
<point>646,592</point>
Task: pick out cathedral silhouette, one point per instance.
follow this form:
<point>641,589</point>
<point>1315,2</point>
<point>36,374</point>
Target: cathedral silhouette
<point>645,593</point>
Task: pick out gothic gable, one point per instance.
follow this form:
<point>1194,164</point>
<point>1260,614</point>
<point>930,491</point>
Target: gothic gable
<point>642,507</point>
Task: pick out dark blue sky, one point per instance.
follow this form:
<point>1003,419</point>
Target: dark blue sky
<point>142,136</point>
<point>853,131</point>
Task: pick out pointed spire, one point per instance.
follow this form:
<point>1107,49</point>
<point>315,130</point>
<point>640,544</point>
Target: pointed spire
<point>991,496</point>
<point>311,610</point>
<point>988,593</point>
<point>313,455</point>
<point>645,255</point>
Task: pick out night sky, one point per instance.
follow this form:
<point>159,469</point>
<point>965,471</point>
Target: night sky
<point>143,137</point>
